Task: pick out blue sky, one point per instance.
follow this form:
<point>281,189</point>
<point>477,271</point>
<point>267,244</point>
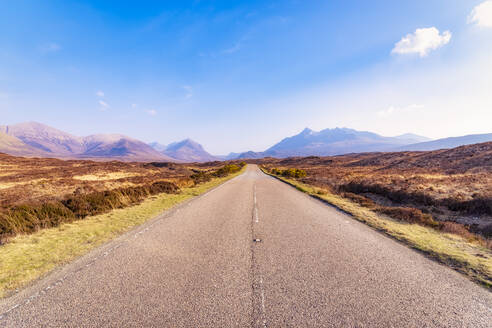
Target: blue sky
<point>241,75</point>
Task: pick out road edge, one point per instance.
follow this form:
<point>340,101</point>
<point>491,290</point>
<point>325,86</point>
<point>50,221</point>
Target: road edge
<point>71,266</point>
<point>471,273</point>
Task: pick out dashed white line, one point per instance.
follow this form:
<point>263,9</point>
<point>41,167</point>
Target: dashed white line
<point>258,286</point>
<point>255,206</point>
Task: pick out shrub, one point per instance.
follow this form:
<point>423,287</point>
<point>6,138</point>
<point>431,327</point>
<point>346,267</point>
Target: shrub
<point>486,231</point>
<point>200,177</point>
<point>476,206</point>
<point>407,214</point>
<point>289,173</point>
<point>457,229</point>
<point>226,170</point>
<point>29,218</point>
<point>364,201</point>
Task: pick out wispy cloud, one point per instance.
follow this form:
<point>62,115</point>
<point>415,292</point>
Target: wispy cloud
<point>104,105</point>
<point>50,47</point>
<point>235,48</point>
<point>100,93</point>
<point>396,110</point>
<point>422,41</point>
<point>151,112</point>
<point>481,15</point>
<point>188,91</point>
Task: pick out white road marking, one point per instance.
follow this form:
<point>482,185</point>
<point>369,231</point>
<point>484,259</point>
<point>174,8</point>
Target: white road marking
<point>262,319</point>
<point>263,307</point>
<point>255,206</point>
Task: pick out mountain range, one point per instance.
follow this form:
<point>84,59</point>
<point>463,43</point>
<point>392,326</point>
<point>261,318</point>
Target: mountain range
<point>339,141</point>
<point>447,143</point>
<point>186,151</point>
<point>34,139</point>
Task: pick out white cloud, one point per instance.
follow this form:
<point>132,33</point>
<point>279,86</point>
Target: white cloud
<point>422,41</point>
<point>189,91</point>
<point>100,93</point>
<point>152,112</point>
<point>481,15</point>
<point>104,105</point>
<point>395,109</point>
<point>50,47</point>
<point>235,48</point>
<point>134,106</point>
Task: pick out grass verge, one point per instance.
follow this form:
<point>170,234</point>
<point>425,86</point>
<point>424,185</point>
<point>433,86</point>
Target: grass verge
<point>468,258</point>
<point>28,257</point>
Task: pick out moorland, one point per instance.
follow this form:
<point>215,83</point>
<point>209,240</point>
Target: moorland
<point>38,193</point>
<point>449,189</point>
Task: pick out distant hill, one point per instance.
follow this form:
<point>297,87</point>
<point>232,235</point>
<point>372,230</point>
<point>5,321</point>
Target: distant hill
<point>447,143</point>
<point>331,142</point>
<point>228,157</point>
<point>36,139</point>
<point>45,138</point>
<point>14,146</point>
<point>459,159</point>
<point>186,151</point>
<point>158,146</point>
<point>118,146</point>
<point>411,137</point>
<point>476,157</point>
<point>252,155</point>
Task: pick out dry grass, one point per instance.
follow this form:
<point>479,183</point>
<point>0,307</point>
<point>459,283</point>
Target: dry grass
<point>106,176</point>
<point>470,258</point>
<point>20,178</point>
<point>452,185</point>
<point>28,257</point>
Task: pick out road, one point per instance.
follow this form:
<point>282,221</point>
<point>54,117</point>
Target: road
<point>254,252</point>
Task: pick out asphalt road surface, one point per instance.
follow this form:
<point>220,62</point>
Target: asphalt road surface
<point>252,253</point>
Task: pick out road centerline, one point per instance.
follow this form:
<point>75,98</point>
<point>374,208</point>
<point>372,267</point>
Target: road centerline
<point>258,295</point>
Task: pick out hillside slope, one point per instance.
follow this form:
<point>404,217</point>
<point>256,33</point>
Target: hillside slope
<point>36,139</point>
<point>446,143</point>
<point>329,142</point>
<point>186,151</point>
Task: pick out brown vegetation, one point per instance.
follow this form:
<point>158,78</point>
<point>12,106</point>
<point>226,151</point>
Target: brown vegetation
<point>449,190</point>
<point>43,193</point>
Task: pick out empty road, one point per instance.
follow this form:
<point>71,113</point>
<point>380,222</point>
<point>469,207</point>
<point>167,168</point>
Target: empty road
<point>252,253</point>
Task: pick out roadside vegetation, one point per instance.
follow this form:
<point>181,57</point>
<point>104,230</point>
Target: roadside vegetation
<point>39,235</point>
<point>438,202</point>
<point>110,186</point>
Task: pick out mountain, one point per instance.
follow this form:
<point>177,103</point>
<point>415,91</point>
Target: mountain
<point>14,146</point>
<point>45,138</point>
<point>252,155</point>
<point>446,143</point>
<point>330,142</point>
<point>157,146</point>
<point>117,146</point>
<point>186,150</point>
<point>229,156</point>
<point>36,139</point>
<point>412,138</point>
